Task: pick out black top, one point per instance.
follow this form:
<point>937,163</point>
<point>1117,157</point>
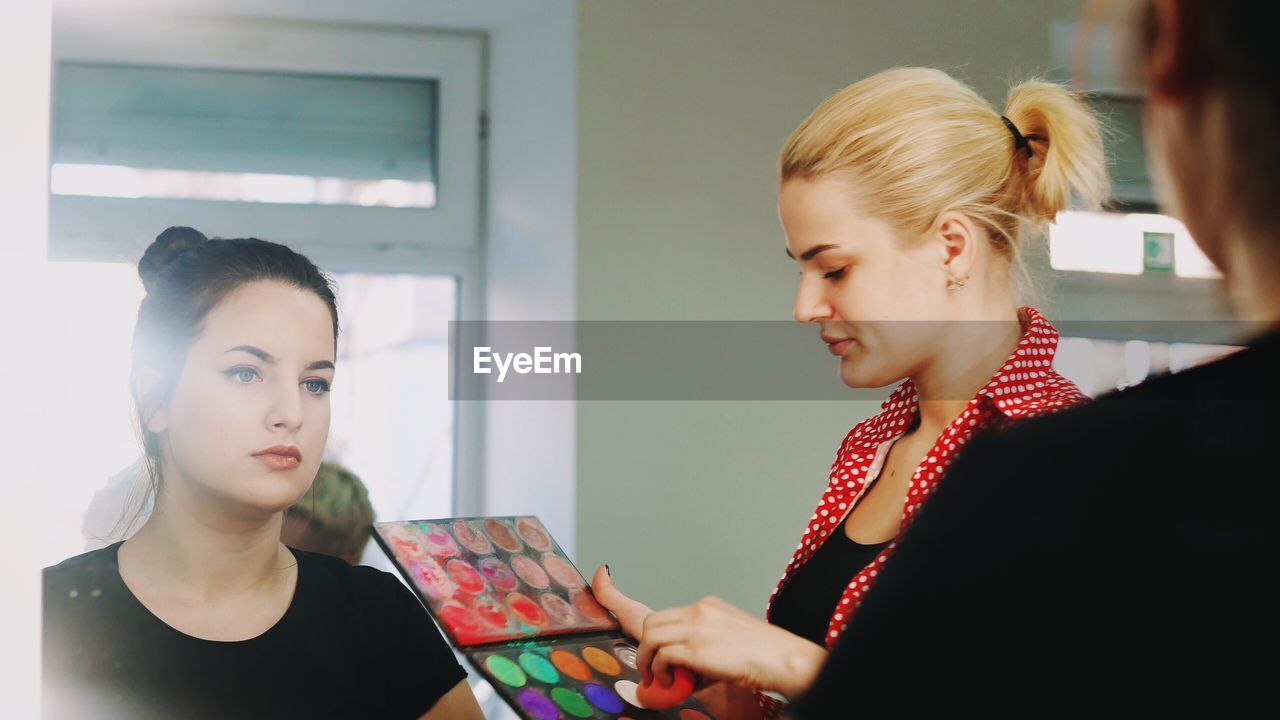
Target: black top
<point>354,642</point>
<point>805,604</point>
<point>1114,554</point>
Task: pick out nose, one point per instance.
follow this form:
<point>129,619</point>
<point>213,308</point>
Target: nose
<point>811,306</point>
<point>286,408</point>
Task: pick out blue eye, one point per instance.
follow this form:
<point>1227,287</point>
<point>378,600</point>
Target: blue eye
<point>316,387</point>
<point>243,375</point>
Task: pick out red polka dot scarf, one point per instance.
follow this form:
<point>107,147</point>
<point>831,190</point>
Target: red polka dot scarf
<point>1025,386</point>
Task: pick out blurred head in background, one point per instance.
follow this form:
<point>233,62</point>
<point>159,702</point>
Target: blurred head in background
<point>333,518</point>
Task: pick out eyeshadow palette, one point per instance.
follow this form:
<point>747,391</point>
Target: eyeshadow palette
<point>509,599</point>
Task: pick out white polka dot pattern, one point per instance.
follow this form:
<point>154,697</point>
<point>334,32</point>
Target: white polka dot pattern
<point>1025,386</point>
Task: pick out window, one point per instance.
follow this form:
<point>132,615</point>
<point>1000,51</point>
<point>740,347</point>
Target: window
<point>249,136</point>
<point>1117,243</point>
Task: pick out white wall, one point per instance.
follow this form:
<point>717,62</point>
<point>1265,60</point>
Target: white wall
<point>25,440</point>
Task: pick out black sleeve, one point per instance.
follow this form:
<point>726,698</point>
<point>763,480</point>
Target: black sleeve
<point>420,666</point>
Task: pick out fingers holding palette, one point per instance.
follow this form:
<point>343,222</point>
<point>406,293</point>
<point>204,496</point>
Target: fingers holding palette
<point>589,678</point>
<point>505,594</point>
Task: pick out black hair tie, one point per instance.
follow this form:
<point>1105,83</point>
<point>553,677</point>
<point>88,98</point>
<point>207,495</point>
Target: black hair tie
<point>1020,141</point>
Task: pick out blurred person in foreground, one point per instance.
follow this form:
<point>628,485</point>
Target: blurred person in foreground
<point>1131,572</point>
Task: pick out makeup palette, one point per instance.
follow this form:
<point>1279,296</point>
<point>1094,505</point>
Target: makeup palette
<point>508,598</point>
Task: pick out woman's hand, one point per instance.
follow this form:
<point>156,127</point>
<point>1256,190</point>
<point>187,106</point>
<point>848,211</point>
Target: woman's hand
<point>720,642</point>
<point>457,704</point>
<point>630,613</point>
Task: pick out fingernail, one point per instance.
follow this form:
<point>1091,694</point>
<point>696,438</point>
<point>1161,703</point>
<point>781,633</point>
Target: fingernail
<point>607,571</point>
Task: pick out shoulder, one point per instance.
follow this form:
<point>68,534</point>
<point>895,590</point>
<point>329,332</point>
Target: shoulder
<point>1214,405</point>
<point>1048,393</point>
<point>360,587</point>
<point>95,567</point>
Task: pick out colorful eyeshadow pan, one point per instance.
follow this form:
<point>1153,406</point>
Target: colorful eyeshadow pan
<point>406,542</point>
<point>505,670</point>
<point>459,617</point>
<point>603,662</point>
<point>502,536</point>
<point>626,690</point>
<point>530,571</point>
<point>561,571</point>
<point>432,580</point>
<point>571,702</point>
<point>533,534</point>
<point>602,697</point>
<point>471,538</point>
<point>570,664</point>
<point>467,577</point>
<point>491,612</point>
<point>558,608</point>
<point>526,610</point>
<point>538,705</point>
<point>539,667</point>
<point>439,542</point>
<point>498,574</point>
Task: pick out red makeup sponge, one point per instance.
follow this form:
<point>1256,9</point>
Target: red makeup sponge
<point>663,697</point>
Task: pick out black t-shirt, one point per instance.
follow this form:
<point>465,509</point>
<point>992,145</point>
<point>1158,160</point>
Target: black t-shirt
<point>807,601</point>
<point>354,642</point>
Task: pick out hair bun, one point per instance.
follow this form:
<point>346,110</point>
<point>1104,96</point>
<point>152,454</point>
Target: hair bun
<point>167,247</point>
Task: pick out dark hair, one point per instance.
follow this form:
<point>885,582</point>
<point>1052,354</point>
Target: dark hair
<point>186,275</point>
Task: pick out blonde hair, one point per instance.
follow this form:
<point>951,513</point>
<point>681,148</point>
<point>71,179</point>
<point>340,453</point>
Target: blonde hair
<point>916,142</point>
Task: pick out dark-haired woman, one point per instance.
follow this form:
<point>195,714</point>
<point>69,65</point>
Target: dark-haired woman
<point>203,612</point>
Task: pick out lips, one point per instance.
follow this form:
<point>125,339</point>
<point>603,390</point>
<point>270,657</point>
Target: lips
<point>837,346</point>
<point>280,457</point>
<point>282,451</point>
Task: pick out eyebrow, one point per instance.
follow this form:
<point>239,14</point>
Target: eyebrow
<point>810,253</point>
<point>266,357</point>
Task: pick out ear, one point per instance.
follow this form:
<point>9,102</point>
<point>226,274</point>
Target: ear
<point>1176,63</point>
<point>155,416</point>
<point>957,242</point>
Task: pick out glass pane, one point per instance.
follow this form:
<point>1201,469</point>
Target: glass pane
<point>392,417</point>
<point>145,131</point>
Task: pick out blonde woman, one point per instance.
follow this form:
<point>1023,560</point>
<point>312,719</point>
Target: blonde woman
<point>907,202</point>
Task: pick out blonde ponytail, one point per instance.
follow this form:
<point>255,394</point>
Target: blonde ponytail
<point>917,142</point>
<point>1071,155</point>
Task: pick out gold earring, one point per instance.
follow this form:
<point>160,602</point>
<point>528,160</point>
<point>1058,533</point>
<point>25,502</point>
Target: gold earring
<point>954,284</point>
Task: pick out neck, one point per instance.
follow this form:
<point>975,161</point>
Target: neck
<point>1251,266</point>
<point>197,542</point>
<point>972,351</point>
